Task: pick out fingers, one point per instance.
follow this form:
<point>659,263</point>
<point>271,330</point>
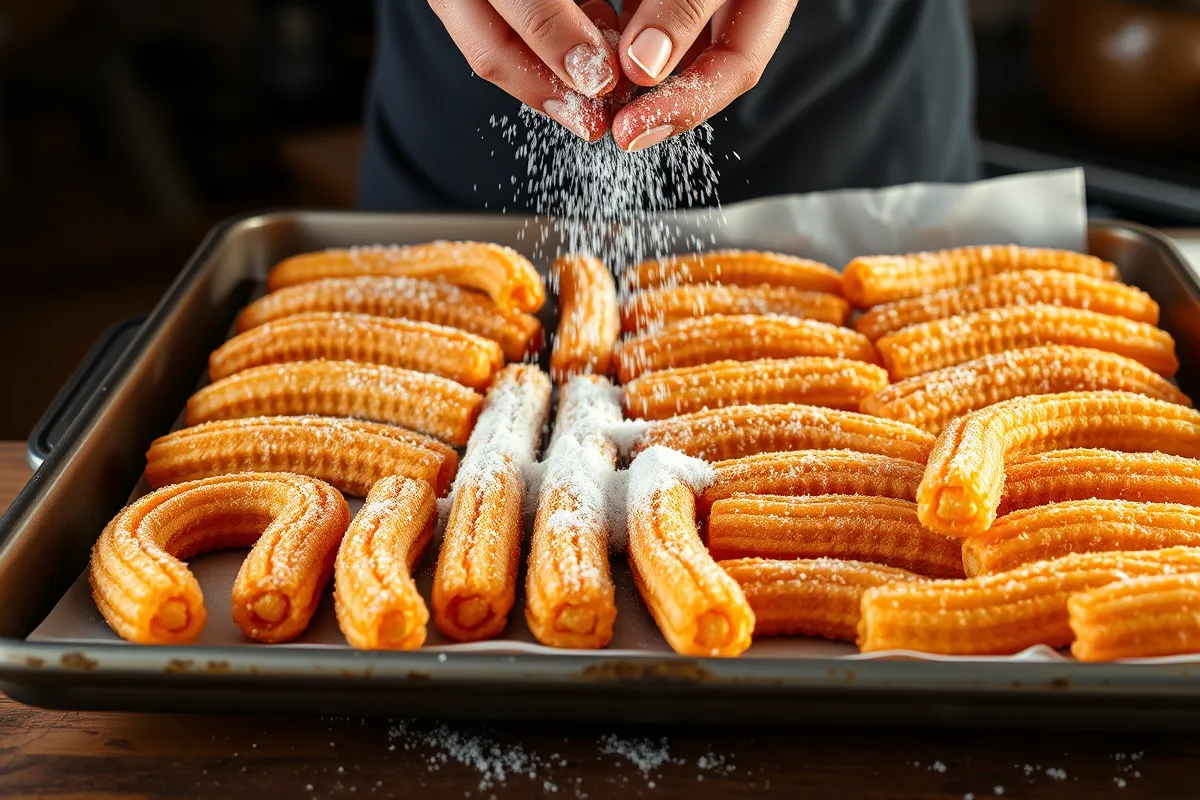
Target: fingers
<point>659,34</point>
<point>498,55</point>
<point>745,39</point>
<point>563,36</point>
<point>602,13</point>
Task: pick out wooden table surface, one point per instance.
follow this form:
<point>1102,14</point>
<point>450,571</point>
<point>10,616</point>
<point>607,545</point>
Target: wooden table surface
<point>93,755</point>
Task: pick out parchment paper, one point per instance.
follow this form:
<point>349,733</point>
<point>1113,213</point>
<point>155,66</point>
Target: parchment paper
<point>1044,209</point>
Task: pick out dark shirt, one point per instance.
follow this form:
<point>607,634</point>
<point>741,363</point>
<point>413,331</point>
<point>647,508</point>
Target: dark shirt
<point>861,93</point>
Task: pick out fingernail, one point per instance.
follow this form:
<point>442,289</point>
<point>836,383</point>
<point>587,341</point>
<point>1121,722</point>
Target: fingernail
<point>649,138</point>
<point>590,69</point>
<point>650,50</point>
<point>560,113</point>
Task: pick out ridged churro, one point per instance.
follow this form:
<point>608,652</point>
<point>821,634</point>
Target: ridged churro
<point>499,272</point>
<point>930,401</point>
<point>811,380</point>
<point>738,431</point>
<point>569,598</point>
<point>735,268</point>
<point>654,308</point>
<point>350,454</point>
<point>1079,526</point>
<point>964,479</point>
<point>923,348</point>
<point>517,334</point>
<point>417,400</point>
<point>809,597</point>
<point>375,599</point>
<point>700,610</point>
<point>870,280</point>
<point>1081,474</point>
<point>588,321</point>
<point>476,578</point>
<point>1004,613</point>
<point>881,530</point>
<point>421,346</point>
<point>1026,287</point>
<point>744,337</point>
<point>149,596</point>
<point>1145,617</point>
<point>812,472</point>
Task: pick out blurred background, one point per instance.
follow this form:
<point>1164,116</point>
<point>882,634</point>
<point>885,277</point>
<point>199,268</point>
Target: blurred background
<point>129,127</point>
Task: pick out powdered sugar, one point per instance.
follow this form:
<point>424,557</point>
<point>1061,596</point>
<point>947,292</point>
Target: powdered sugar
<point>657,467</point>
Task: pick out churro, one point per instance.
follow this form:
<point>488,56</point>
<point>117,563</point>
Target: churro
<point>882,530</point>
<point>1025,287</point>
<point>499,272</point>
<point>375,599</point>
<point>744,337</point>
<point>1079,526</point>
<point>700,610</point>
<point>811,380</point>
<point>1146,617</point>
<point>930,401</point>
<point>1005,613</point>
<point>942,343</point>
<point>421,346</point>
<point>588,322</point>
<point>738,431</point>
<point>569,599</point>
<point>809,597</point>
<point>350,454</point>
<point>476,578</point>
<point>517,334</point>
<point>654,308</point>
<point>1082,474</point>
<point>417,400</point>
<point>870,280</point>
<point>964,479</point>
<point>735,268</point>
<point>149,596</point>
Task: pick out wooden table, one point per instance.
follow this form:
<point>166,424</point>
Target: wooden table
<point>96,755</point>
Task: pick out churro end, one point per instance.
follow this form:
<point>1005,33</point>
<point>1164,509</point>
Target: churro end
<point>270,607</point>
<point>172,616</point>
<point>576,619</point>
<point>395,630</point>
<point>953,506</point>
<point>712,629</point>
<point>471,612</point>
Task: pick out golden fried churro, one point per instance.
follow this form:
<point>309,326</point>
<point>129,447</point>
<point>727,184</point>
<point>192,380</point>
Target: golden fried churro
<point>738,431</point>
<point>945,342</point>
<point>148,595</point>
<point>811,380</point>
<point>700,610</point>
<point>569,600</point>
<point>870,280</point>
<point>1004,613</point>
<point>1145,617</point>
<point>350,454</point>
<point>654,308</point>
<point>735,268</point>
<point>422,346</point>
<point>812,472</point>
<point>809,597</point>
<point>417,400</point>
<point>1083,474</point>
<point>964,479</point>
<point>476,578</point>
<point>1026,287</point>
<point>1079,526</point>
<point>402,298</point>
<point>588,322</point>
<point>931,400</point>
<point>882,530</point>
<point>704,340</point>
<point>376,601</point>
<point>499,272</point>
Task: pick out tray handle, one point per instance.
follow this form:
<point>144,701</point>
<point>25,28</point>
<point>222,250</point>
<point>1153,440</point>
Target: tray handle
<point>82,384</point>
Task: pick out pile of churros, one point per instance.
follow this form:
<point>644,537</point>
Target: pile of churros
<point>962,452</point>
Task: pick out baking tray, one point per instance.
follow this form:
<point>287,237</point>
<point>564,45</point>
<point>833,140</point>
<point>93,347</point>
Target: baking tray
<point>47,533</point>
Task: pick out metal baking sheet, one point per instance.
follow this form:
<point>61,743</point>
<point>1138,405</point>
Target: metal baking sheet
<point>49,530</point>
